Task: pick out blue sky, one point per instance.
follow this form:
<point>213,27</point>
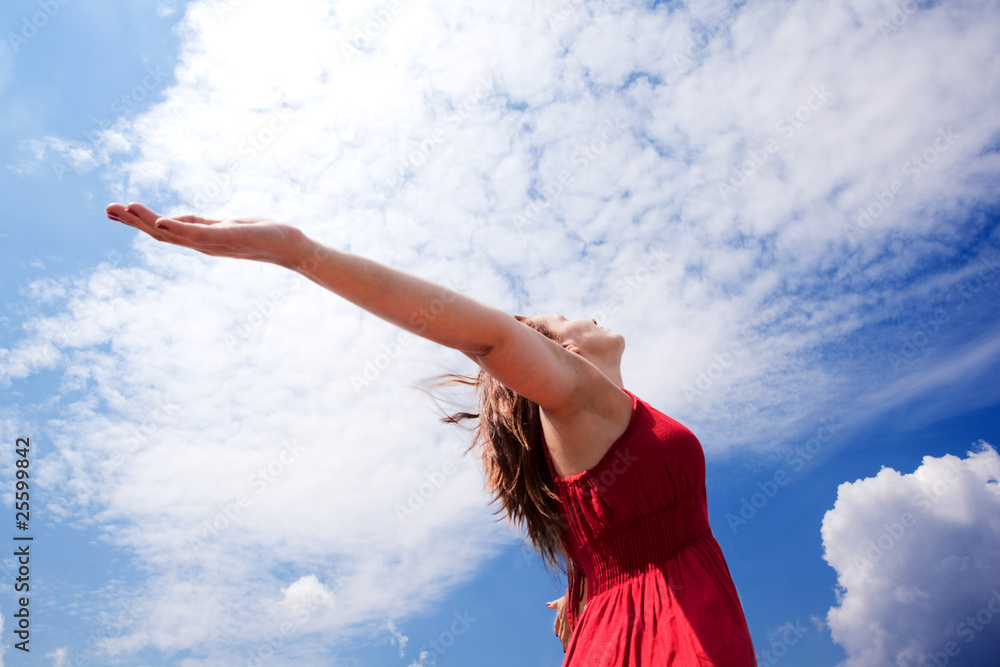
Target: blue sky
<point>788,208</point>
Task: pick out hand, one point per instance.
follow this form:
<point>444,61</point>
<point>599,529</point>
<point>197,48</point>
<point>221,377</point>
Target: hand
<point>561,624</point>
<point>258,239</point>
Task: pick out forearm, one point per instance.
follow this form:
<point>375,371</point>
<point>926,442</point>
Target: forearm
<point>417,305</point>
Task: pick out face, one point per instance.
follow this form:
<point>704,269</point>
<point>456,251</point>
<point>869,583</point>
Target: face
<point>586,337</point>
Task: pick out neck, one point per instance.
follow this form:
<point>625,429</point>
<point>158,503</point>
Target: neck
<point>614,372</point>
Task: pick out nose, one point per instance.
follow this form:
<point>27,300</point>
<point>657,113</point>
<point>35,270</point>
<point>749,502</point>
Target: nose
<point>593,320</point>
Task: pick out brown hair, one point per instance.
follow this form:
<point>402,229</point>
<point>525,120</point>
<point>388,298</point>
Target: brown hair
<point>509,437</point>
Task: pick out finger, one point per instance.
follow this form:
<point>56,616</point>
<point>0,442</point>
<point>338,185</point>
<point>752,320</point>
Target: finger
<point>134,216</point>
<point>130,216</point>
<point>201,237</point>
<point>168,226</point>
<point>551,605</point>
<point>144,213</point>
<point>195,220</point>
<point>115,211</point>
<point>161,228</point>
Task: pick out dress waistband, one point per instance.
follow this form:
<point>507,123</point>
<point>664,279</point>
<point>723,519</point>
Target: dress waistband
<point>632,548</point>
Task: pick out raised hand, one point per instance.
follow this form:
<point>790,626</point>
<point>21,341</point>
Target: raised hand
<point>258,239</point>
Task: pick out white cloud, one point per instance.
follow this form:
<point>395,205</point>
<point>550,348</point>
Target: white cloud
<point>422,660</point>
<point>166,8</point>
<point>398,638</point>
<point>58,657</point>
<point>610,128</point>
<point>917,560</point>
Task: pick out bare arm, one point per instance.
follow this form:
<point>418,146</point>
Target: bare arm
<point>516,355</point>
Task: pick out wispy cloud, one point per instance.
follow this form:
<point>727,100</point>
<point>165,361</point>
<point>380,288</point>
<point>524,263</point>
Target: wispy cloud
<point>774,293</point>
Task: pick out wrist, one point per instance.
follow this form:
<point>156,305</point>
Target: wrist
<point>303,253</point>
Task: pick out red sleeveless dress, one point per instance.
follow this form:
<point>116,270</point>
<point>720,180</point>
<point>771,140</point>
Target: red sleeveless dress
<point>659,589</point>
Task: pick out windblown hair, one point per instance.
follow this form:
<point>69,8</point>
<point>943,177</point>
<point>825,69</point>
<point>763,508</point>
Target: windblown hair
<point>509,439</point>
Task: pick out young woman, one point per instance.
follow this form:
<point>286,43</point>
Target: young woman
<point>593,474</point>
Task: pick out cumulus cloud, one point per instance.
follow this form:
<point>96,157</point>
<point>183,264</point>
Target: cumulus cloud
<point>716,181</point>
<point>918,564</point>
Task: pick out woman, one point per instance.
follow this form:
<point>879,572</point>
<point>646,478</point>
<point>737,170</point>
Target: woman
<point>594,474</point>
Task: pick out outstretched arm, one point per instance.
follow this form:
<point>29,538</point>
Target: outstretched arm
<point>516,355</point>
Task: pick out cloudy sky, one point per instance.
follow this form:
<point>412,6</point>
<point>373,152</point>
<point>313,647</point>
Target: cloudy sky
<point>789,208</point>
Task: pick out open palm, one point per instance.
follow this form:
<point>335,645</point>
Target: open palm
<point>259,239</point>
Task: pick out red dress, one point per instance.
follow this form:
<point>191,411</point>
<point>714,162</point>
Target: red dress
<point>659,589</point>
